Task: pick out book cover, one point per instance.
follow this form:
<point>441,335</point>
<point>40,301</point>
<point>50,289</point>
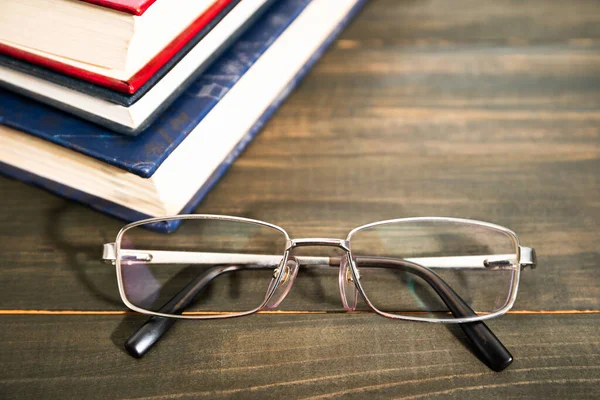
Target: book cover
<point>136,81</point>
<point>105,93</point>
<point>134,7</point>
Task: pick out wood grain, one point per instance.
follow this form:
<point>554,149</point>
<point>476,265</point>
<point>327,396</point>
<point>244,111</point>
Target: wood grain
<point>315,356</point>
<point>483,109</point>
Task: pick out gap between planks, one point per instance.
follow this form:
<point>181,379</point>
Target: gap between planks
<point>101,312</point>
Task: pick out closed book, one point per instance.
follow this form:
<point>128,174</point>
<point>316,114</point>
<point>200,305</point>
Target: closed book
<point>169,168</point>
<point>115,49</point>
<point>134,118</point>
<point>142,82</point>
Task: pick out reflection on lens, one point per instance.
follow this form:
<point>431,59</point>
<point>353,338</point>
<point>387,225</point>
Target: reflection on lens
<point>215,265</point>
<point>456,252</point>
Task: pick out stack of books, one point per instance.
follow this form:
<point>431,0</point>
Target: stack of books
<point>137,107</point>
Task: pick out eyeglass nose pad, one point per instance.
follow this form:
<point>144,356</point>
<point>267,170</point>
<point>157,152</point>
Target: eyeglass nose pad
<point>290,270</point>
<point>348,289</point>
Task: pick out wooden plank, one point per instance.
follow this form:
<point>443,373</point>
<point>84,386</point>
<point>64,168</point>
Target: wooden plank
<point>472,21</point>
<point>296,356</point>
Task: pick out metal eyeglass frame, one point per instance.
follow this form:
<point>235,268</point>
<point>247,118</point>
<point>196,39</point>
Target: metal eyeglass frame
<point>487,345</point>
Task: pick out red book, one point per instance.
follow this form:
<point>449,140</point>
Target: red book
<point>135,7</point>
<point>122,80</point>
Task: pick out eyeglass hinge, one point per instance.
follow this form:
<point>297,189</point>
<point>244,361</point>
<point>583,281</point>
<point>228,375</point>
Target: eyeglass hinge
<point>109,253</point>
<point>528,258</point>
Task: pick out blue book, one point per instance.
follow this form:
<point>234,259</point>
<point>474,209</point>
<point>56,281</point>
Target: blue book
<point>170,168</point>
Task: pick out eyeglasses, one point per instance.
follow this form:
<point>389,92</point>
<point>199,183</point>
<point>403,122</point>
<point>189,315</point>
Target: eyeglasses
<point>430,269</point>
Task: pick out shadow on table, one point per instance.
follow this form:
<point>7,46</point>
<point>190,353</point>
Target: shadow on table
<point>81,239</point>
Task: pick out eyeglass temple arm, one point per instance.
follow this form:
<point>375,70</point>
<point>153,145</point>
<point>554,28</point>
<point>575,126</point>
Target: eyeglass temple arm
<point>487,345</point>
<point>498,261</point>
<point>155,327</point>
<point>489,348</point>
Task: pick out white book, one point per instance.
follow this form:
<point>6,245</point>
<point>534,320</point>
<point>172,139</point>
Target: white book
<point>94,37</point>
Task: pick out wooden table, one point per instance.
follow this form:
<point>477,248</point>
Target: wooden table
<point>478,109</point>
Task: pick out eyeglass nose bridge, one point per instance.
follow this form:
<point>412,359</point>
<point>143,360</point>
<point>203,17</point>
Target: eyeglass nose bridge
<point>348,289</point>
<point>326,242</point>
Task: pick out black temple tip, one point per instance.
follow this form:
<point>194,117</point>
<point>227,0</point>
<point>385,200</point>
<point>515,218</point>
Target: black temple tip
<point>489,348</point>
<point>144,338</point>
